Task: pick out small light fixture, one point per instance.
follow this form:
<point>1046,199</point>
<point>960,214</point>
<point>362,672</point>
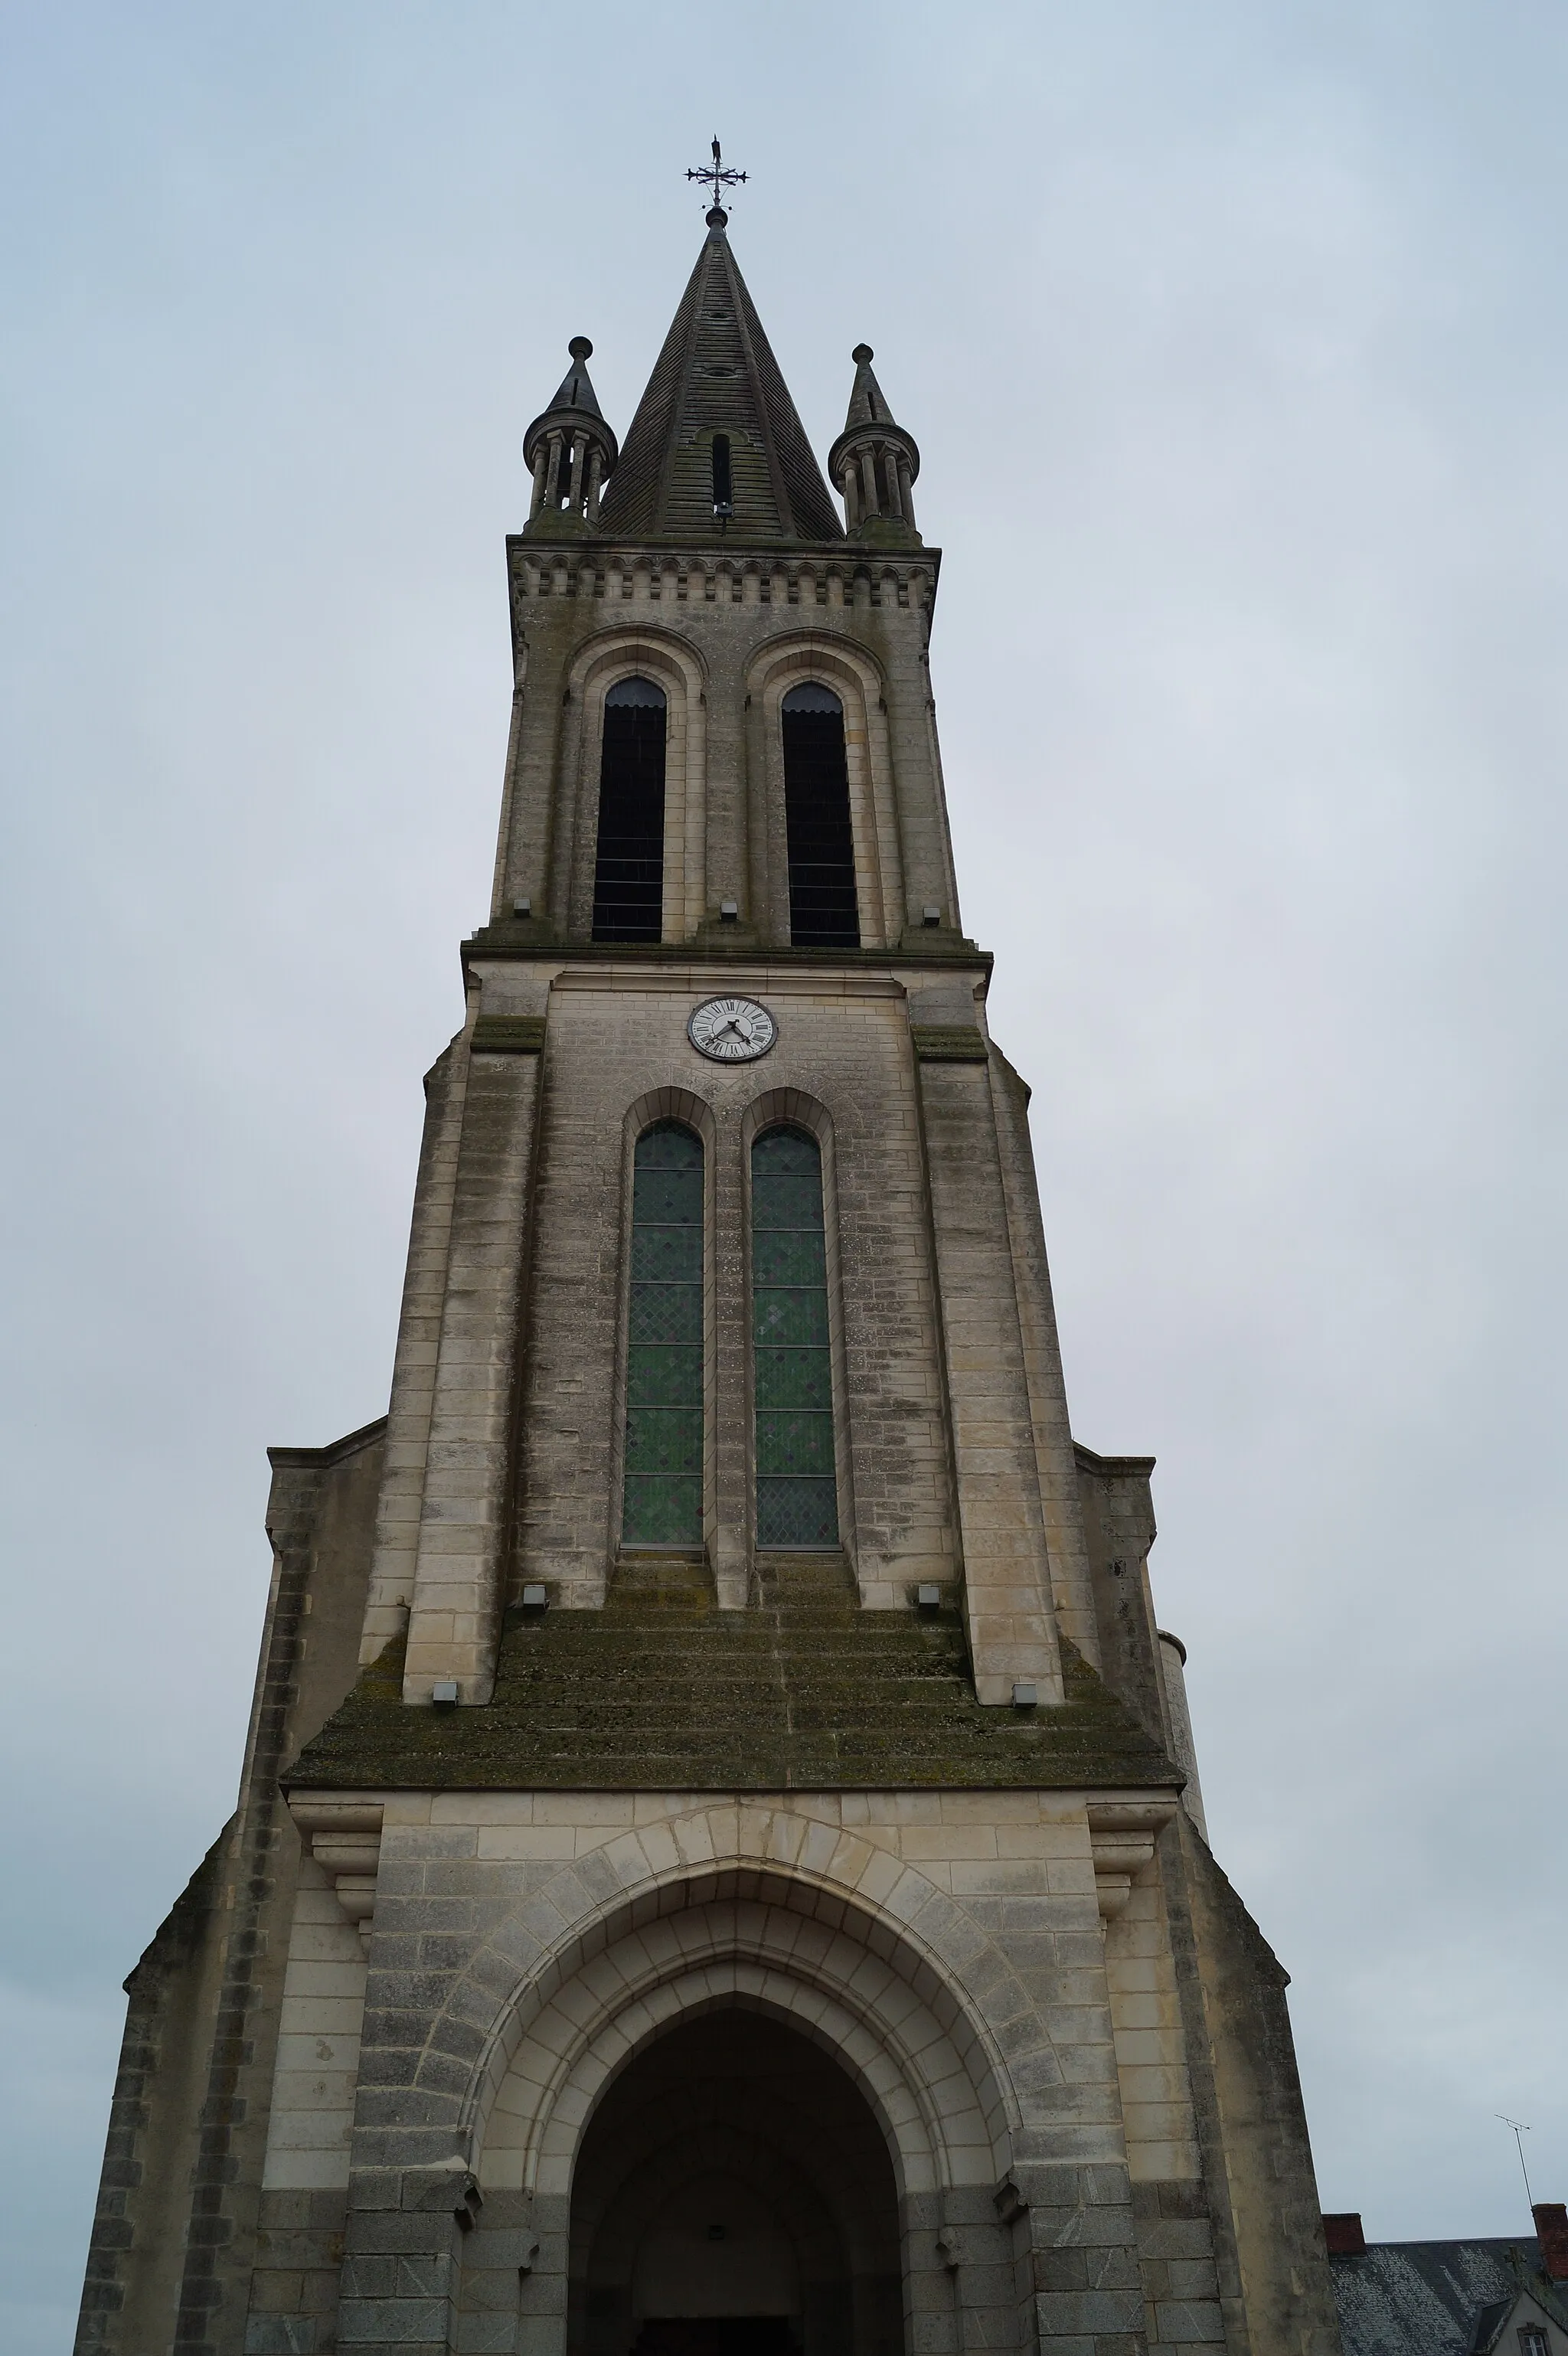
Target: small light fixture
<point>445,1690</point>
<point>1024,1694</point>
<point>522,907</point>
<point>729,911</point>
<point>534,1599</point>
<point>931,916</point>
<point>928,1598</point>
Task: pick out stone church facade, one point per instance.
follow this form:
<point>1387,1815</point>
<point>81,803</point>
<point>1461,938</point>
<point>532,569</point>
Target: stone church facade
<point>719,1869</point>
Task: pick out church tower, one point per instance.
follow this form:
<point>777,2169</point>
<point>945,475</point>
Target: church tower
<point>719,1869</point>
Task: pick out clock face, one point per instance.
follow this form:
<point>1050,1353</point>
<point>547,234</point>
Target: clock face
<point>731,1030</point>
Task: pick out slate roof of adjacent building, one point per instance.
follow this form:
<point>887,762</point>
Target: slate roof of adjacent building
<point>717,373</point>
<point>1437,2298</point>
<point>662,1690</point>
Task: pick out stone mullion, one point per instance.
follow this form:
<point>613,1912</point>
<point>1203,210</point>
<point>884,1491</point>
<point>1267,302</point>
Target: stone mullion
<point>1007,1592</point>
<point>454,1621</point>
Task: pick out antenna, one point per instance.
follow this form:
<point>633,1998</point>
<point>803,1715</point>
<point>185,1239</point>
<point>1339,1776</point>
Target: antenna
<point>1521,2129</point>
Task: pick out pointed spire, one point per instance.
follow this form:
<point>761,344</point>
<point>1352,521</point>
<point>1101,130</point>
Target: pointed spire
<point>715,429</point>
<point>867,405</point>
<point>874,463</point>
<point>570,451</point>
<point>575,390</point>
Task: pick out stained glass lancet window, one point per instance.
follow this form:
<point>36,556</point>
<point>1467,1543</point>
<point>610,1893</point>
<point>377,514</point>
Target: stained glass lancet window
<point>628,873</point>
<point>824,907</point>
<point>797,1498</point>
<point>663,1497</point>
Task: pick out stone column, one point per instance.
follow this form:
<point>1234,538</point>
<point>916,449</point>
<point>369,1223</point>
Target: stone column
<point>906,493</point>
<point>453,1625</point>
<point>541,477</point>
<point>578,450</point>
<point>595,475</point>
<point>869,481</point>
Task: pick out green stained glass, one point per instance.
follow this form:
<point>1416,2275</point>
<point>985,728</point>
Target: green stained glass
<point>666,1255</point>
<point>800,1443</point>
<point>796,1492</point>
<point>792,1379</point>
<point>782,1257</point>
<point>664,1440</point>
<point>662,1501</point>
<point>795,1320</point>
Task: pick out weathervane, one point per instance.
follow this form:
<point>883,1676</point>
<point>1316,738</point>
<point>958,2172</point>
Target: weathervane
<point>717,176</point>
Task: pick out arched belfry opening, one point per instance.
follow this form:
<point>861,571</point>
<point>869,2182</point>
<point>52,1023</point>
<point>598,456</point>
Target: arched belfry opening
<point>628,870</point>
<point>824,906</point>
<point>734,2196</point>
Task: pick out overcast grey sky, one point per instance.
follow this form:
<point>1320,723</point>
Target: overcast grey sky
<point>1233,339</point>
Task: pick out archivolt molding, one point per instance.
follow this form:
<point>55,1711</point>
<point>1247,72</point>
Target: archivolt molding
<point>857,680</point>
<point>674,664</point>
<point>906,1946</point>
<point>885,2040</point>
<point>670,1104</point>
<point>787,1107</point>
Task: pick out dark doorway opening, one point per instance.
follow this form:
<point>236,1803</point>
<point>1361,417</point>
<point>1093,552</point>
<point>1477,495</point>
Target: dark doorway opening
<point>734,2196</point>
<point>628,872</point>
<point>824,907</point>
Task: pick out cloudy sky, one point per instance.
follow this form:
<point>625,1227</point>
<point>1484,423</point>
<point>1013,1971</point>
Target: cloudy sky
<point>1233,336</point>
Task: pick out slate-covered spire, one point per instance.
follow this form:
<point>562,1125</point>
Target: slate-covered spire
<point>874,461</point>
<point>570,451</point>
<point>716,428</point>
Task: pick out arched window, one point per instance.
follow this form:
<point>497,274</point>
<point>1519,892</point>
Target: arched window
<point>628,877</point>
<point>662,1501</point>
<point>823,910</point>
<point>797,1496</point>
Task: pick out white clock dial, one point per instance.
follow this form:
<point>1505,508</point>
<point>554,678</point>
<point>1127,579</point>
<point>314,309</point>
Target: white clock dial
<point>731,1030</point>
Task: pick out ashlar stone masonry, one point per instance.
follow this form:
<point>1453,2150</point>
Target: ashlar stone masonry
<point>719,1869</point>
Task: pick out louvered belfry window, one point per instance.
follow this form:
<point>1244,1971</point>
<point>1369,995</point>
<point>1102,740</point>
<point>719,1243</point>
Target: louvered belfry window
<point>628,876</point>
<point>797,1497</point>
<point>663,1495</point>
<point>824,911</point>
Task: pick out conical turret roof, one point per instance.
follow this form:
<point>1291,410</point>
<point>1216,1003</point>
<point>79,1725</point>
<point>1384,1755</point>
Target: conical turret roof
<point>867,402</point>
<point>718,375</point>
<point>574,408</point>
<point>576,392</point>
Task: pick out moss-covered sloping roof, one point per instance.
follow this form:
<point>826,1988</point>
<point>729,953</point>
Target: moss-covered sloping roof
<point>661,1691</point>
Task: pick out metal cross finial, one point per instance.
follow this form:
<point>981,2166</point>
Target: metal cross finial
<point>716,176</point>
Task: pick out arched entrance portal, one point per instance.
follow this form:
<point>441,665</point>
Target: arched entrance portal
<point>733,2196</point>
